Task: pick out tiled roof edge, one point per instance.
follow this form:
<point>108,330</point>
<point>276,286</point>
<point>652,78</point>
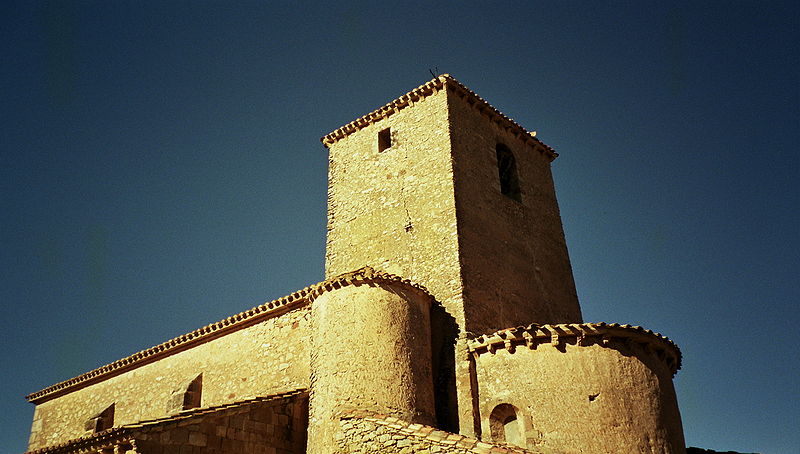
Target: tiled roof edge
<point>214,409</point>
<point>433,435</point>
<point>360,276</point>
<point>125,433</point>
<point>204,334</point>
<point>425,90</point>
<point>532,335</point>
<point>116,434</point>
<point>214,330</point>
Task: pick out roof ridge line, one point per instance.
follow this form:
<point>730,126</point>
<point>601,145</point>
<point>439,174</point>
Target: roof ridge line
<point>215,408</point>
<point>444,81</point>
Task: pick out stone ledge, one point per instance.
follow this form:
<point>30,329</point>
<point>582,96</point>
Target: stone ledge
<point>581,334</point>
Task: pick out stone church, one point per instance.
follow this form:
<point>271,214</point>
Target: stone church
<point>448,322</point>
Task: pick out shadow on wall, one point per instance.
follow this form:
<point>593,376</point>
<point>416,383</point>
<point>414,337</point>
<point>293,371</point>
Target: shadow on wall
<point>444,332</point>
<point>710,451</point>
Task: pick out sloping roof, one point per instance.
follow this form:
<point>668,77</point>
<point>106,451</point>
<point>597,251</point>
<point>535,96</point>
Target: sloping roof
<point>445,81</point>
<point>233,323</point>
<point>445,441</point>
<point>128,431</point>
<point>218,329</point>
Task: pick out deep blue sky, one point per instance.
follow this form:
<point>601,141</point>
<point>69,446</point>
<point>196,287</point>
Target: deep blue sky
<point>161,169</point>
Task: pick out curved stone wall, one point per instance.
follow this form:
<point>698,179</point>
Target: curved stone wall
<point>370,350</point>
<point>582,388</point>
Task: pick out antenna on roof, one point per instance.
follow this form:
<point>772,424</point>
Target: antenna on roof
<point>434,72</point>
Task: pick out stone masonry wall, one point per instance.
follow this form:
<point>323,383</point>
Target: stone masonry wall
<point>394,210</point>
<point>260,428</point>
<point>516,268</point>
<point>604,398</point>
<point>267,358</point>
<point>371,350</point>
<point>429,208</point>
<point>368,433</point>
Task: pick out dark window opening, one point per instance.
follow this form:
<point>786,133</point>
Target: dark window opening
<point>187,396</point>
<point>101,421</point>
<point>507,168</point>
<point>191,398</point>
<point>384,139</point>
<point>505,426</point>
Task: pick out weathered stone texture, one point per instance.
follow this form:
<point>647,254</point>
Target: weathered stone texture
<point>513,256</point>
<point>394,210</point>
<point>430,208</point>
<point>614,398</point>
<point>492,261</point>
<point>381,434</point>
<point>263,359</point>
<point>371,350</point>
<point>260,428</point>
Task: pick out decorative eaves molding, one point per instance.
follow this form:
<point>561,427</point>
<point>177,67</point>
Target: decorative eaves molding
<point>365,275</point>
<point>581,334</point>
<point>448,82</point>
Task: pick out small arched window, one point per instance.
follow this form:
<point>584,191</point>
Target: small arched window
<point>507,168</point>
<point>506,426</point>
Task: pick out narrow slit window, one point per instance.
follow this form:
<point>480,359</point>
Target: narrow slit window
<point>384,139</point>
<point>507,168</point>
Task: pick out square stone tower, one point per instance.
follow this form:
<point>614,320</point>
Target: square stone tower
<point>440,187</point>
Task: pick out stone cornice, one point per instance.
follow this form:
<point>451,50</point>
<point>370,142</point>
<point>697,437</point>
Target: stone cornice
<point>365,275</point>
<point>580,334</point>
<point>445,81</point>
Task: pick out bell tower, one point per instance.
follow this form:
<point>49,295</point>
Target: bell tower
<point>439,187</point>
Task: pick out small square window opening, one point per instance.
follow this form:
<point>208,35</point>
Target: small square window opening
<point>384,139</point>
